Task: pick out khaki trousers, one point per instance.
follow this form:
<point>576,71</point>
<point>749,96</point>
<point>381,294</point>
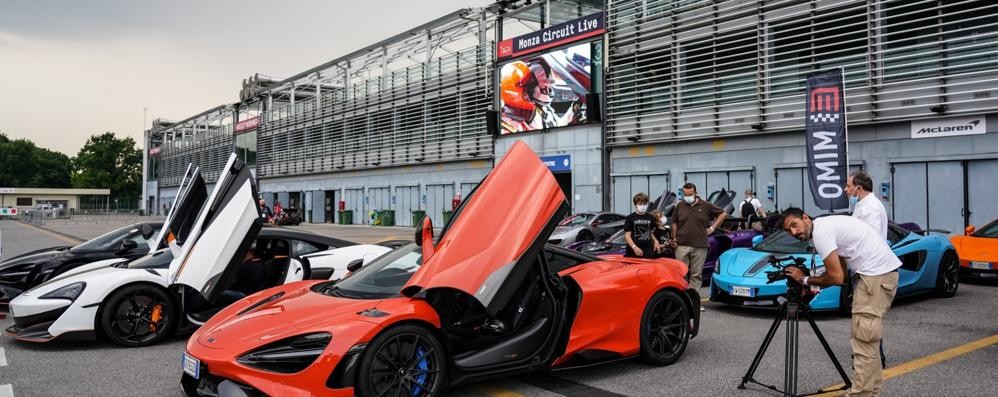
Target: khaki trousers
<point>693,257</point>
<point>872,296</point>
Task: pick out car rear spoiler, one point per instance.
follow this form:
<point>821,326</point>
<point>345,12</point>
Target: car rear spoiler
<point>927,231</point>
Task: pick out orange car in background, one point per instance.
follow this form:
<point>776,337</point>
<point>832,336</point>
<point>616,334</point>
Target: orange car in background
<point>978,251</point>
<point>488,298</point>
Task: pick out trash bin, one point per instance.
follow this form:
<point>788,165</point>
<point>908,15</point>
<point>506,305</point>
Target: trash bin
<point>417,216</point>
<point>346,217</point>
<point>388,218</point>
<point>447,215</point>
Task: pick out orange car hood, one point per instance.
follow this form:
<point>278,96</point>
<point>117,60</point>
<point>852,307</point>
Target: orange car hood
<point>508,217</point>
<point>971,248</point>
<point>299,310</point>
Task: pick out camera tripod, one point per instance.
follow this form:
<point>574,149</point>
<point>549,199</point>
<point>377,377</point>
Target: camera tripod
<point>790,311</point>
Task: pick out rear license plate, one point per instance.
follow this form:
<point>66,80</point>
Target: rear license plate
<point>742,291</point>
<point>980,265</point>
<point>192,366</point>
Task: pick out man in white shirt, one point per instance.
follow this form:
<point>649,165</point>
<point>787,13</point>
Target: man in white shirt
<point>841,242</point>
<point>867,207</point>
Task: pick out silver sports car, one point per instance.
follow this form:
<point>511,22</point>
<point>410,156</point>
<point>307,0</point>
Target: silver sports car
<point>586,226</point>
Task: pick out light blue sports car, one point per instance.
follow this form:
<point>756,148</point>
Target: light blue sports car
<point>929,264</point>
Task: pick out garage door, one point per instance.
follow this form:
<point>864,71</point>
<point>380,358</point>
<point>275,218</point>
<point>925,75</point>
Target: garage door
<point>438,199</point>
<point>708,182</point>
<point>626,186</point>
<point>378,198</point>
<point>355,202</point>
<point>945,194</point>
<point>406,201</point>
<point>982,190</point>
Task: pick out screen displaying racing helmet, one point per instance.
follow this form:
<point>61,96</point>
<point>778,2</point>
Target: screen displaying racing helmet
<point>546,90</point>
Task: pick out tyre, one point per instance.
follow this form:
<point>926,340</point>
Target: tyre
<point>404,360</point>
<point>664,328</point>
<point>948,279</point>
<point>138,315</point>
<point>584,235</point>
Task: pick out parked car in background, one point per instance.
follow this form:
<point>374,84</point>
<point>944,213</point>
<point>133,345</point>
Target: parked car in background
<point>586,226</point>
<point>978,251</point>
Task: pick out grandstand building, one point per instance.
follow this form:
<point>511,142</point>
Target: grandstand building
<point>645,95</point>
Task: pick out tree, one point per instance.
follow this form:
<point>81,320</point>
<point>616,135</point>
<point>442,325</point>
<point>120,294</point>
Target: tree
<point>107,162</point>
<point>53,169</point>
<point>17,162</point>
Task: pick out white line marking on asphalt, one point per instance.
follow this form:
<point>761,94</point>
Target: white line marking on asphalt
<point>3,358</point>
<point>6,391</point>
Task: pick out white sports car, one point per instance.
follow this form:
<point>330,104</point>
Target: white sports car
<point>213,252</point>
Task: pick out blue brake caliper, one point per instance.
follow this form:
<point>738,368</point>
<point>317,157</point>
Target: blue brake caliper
<point>424,368</point>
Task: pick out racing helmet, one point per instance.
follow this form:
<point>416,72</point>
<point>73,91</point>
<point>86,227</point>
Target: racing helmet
<point>516,76</point>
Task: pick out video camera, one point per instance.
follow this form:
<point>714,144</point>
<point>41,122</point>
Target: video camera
<point>781,264</point>
<point>795,290</point>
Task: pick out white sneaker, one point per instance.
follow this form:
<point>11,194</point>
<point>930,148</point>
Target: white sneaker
<point>703,309</point>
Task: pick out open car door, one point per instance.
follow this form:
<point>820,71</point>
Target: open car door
<point>497,233</point>
<point>221,234</point>
<point>191,197</point>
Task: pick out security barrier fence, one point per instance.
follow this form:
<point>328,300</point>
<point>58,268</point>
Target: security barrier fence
<point>681,70</point>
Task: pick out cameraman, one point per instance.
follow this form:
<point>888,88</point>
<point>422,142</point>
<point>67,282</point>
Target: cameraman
<point>841,241</point>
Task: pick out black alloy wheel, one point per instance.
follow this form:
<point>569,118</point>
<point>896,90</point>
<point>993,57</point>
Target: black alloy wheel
<point>138,315</point>
<point>406,360</point>
<point>948,280</point>
<point>584,235</point>
<point>665,328</point>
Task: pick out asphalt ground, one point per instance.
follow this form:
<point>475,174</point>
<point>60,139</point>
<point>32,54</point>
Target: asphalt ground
<point>934,346</point>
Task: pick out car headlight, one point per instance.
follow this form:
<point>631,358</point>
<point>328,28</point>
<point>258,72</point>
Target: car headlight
<point>70,292</point>
<point>288,355</point>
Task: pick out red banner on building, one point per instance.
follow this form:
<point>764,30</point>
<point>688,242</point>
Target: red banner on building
<point>248,124</point>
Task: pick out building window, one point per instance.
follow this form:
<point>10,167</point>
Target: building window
<point>246,147</point>
<point>836,38</point>
<point>24,201</point>
<point>719,70</point>
<point>923,39</point>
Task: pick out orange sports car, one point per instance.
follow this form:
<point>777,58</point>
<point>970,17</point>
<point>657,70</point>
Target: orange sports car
<point>978,251</point>
<point>488,298</point>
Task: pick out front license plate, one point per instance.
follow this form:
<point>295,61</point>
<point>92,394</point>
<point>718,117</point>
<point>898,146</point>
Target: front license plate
<point>742,291</point>
<point>980,265</point>
<point>192,366</point>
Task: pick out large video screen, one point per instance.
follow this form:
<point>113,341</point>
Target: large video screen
<point>545,91</point>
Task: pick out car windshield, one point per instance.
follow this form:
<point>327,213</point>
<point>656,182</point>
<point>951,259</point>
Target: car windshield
<point>782,243</point>
<point>989,230</point>
<point>578,219</point>
<point>107,240</point>
<point>384,277</point>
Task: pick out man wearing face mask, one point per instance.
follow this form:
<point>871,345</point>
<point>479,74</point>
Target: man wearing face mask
<point>691,225</point>
<point>866,206</point>
<point>846,243</point>
<point>638,230</point>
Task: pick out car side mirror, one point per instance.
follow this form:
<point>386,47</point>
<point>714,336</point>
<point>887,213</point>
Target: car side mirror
<point>424,238</point>
<point>756,240</point>
<point>596,223</point>
<point>147,231</point>
<point>355,265</point>
<point>969,230</point>
<point>128,245</point>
